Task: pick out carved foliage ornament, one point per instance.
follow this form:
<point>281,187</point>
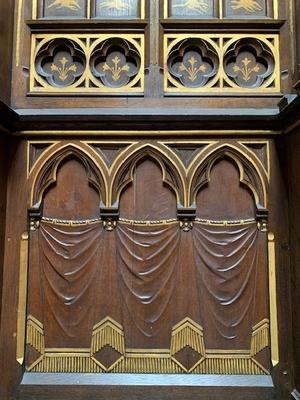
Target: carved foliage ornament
<point>249,63</point>
<point>193,63</point>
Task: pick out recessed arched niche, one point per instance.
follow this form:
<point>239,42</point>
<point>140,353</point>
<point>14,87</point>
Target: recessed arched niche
<point>71,196</point>
<point>225,197</point>
<point>147,197</point>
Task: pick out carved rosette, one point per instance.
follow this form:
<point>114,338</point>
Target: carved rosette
<point>192,64</point>
<point>115,63</point>
<point>61,63</point>
<point>249,64</point>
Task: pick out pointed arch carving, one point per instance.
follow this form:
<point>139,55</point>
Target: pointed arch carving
<point>44,174</point>
<point>250,175</point>
<point>171,176</point>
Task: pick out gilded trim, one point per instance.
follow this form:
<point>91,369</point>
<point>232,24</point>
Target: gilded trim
<point>18,33</point>
<point>134,133</point>
<point>273,300</point>
<point>21,320</point>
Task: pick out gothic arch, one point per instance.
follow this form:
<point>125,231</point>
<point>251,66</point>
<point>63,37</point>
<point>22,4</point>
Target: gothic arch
<point>123,175</point>
<point>45,173</point>
<point>250,175</point>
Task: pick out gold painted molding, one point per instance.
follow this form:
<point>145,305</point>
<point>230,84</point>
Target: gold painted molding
<point>21,320</point>
<point>155,133</point>
<point>273,299</point>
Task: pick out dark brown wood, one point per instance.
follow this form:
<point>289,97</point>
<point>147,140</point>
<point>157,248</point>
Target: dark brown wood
<point>119,272</point>
<point>292,161</point>
<point>3,185</point>
<point>6,45</point>
<point>15,225</point>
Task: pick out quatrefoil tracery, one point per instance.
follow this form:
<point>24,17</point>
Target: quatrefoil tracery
<point>193,63</point>
<point>61,63</point>
<point>249,63</point>
<point>115,64</point>
<point>89,64</point>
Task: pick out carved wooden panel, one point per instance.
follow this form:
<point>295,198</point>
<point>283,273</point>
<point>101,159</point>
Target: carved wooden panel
<point>60,9</point>
<point>200,9</point>
<point>191,8</point>
<point>120,9</point>
<point>118,275</point>
<point>221,63</point>
<point>87,64</point>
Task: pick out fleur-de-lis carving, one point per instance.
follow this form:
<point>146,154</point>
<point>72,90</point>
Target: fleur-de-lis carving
<point>63,68</point>
<point>71,4</point>
<point>115,68</point>
<point>118,5</point>
<point>192,68</point>
<point>200,6</point>
<point>246,68</point>
<point>246,5</point>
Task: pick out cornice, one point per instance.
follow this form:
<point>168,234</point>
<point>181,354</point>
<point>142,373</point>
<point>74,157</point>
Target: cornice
<point>282,119</point>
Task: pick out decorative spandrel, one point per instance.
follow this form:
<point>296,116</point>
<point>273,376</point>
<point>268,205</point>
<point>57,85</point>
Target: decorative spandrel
<point>87,64</point>
<point>118,9</point>
<point>62,9</point>
<point>191,8</point>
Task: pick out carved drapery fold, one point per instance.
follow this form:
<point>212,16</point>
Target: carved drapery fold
<point>226,260</point>
<point>148,264</point>
<point>140,281</point>
<point>69,264</point>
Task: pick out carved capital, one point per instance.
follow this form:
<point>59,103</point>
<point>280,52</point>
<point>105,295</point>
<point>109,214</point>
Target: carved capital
<point>262,219</point>
<point>110,216</point>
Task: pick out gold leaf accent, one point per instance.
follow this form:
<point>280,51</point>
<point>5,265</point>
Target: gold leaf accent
<point>245,69</point>
<point>71,4</point>
<point>247,5</point>
<point>63,70</point>
<point>200,6</point>
<point>191,69</point>
<point>115,69</point>
<point>118,5</point>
